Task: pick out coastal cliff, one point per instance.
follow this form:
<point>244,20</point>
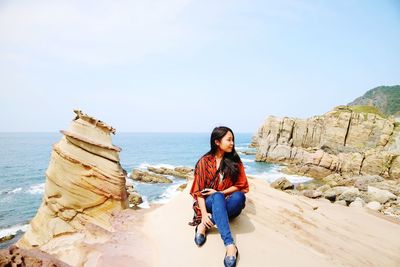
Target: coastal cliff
<point>345,141</point>
<point>85,186</point>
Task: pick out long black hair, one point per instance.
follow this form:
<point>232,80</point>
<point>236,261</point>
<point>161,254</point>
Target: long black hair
<point>229,163</point>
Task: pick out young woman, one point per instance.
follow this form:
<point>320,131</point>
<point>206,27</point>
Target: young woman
<point>218,190</point>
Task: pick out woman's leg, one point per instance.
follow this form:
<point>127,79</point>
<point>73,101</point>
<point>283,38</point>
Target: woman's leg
<point>216,204</point>
<point>235,203</point>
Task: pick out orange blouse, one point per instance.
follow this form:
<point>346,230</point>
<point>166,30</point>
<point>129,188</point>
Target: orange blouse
<point>205,176</point>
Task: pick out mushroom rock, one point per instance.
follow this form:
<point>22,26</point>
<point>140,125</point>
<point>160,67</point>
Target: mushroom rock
<point>85,187</point>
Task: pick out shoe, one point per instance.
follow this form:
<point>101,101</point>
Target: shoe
<point>230,261</point>
<point>199,239</point>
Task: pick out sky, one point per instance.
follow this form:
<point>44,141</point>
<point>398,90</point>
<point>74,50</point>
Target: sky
<point>188,66</point>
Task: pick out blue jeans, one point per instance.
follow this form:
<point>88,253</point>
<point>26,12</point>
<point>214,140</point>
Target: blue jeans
<point>224,209</point>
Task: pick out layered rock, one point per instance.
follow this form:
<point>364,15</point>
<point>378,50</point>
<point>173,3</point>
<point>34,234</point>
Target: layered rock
<point>85,186</point>
<point>340,141</point>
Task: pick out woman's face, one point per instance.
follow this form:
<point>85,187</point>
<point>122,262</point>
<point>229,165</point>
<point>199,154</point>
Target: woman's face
<point>226,143</point>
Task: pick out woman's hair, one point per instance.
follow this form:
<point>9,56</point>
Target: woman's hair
<point>231,160</point>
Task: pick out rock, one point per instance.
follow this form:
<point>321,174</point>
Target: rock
<point>324,188</point>
<point>182,187</point>
<point>15,256</point>
<point>180,172</point>
<point>392,186</point>
<point>148,177</point>
<point>282,184</point>
<point>184,170</point>
<point>312,193</point>
<point>379,195</point>
<point>349,195</point>
<point>85,186</point>
<point>341,202</point>
<point>332,193</point>
<point>357,203</point>
<point>310,186</point>
<point>345,140</point>
<point>249,152</point>
<point>392,211</point>
<point>332,177</point>
<point>332,183</point>
<point>300,187</point>
<point>6,238</point>
<point>362,182</point>
<point>135,199</point>
<point>374,205</point>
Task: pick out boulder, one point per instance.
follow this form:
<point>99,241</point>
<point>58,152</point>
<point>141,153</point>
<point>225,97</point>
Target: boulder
<point>379,195</point>
<point>148,177</point>
<point>134,199</point>
<point>349,195</point>
<point>357,203</point>
<point>323,188</point>
<point>312,193</point>
<point>374,205</point>
<point>6,238</point>
<point>332,193</point>
<point>282,184</point>
<point>182,187</point>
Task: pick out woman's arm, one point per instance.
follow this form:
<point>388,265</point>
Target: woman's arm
<point>230,190</point>
<point>205,219</point>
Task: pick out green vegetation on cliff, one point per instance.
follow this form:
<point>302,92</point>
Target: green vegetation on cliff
<point>385,98</point>
<point>368,109</point>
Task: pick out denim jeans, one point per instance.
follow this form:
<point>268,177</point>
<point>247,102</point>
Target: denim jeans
<point>224,209</point>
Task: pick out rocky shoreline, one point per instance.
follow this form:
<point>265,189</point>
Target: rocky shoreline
<point>372,192</point>
<point>156,175</point>
<point>354,157</point>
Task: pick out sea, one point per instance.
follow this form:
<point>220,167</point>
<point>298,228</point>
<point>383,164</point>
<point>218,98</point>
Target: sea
<point>24,158</point>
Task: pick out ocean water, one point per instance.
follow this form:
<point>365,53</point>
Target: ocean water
<point>24,158</point>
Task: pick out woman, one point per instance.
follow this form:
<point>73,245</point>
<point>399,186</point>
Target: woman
<point>218,190</point>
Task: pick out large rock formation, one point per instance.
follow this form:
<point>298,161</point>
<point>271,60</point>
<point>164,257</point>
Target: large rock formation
<point>85,186</point>
<point>341,141</point>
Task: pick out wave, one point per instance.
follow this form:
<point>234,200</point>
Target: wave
<point>247,160</point>
<point>275,173</point>
<point>168,194</point>
<point>243,148</point>
<point>36,189</point>
<point>13,230</point>
<point>14,191</point>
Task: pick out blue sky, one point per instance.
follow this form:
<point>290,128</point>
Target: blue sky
<point>188,66</point>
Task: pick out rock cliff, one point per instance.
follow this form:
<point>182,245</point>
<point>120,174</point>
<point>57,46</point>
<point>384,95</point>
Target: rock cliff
<point>341,141</point>
<point>85,185</point>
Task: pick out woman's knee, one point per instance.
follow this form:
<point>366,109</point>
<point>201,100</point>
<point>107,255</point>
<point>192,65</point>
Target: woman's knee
<point>239,197</point>
<point>218,196</point>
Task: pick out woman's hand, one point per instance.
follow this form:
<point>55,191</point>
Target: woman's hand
<point>206,221</point>
<point>208,191</point>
